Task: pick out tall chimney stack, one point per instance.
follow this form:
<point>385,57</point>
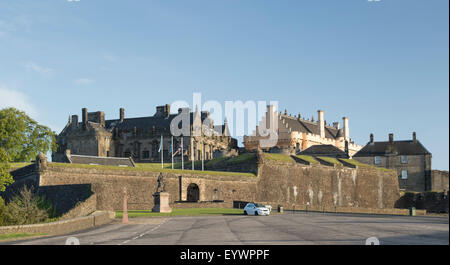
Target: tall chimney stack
<point>122,114</point>
<point>371,138</point>
<point>391,138</point>
<point>84,115</point>
<point>414,137</point>
<point>346,129</point>
<point>321,123</point>
<point>74,121</point>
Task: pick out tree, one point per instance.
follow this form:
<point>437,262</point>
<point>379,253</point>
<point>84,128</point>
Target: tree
<point>26,208</point>
<point>21,139</point>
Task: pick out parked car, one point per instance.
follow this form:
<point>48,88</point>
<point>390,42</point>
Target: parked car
<point>256,209</point>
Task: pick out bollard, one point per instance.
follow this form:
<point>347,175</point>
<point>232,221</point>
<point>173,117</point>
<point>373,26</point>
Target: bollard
<point>280,209</point>
<point>125,212</point>
<point>412,211</point>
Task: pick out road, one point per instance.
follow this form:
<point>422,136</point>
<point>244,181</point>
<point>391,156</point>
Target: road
<point>300,228</point>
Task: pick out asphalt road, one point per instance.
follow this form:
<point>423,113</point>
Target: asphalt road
<point>300,228</point>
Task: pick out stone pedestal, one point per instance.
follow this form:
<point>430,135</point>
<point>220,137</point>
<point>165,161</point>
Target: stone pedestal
<point>161,202</point>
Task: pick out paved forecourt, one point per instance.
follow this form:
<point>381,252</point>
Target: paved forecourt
<point>299,228</point>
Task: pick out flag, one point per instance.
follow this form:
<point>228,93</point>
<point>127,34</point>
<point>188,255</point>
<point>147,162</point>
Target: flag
<point>160,144</point>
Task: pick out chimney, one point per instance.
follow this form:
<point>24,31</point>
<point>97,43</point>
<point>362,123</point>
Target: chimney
<point>75,121</point>
<point>346,129</point>
<point>84,115</point>
<point>391,138</point>
<point>299,116</point>
<point>414,137</point>
<point>162,111</point>
<point>321,123</point>
<point>122,114</point>
<point>336,125</point>
<point>371,138</point>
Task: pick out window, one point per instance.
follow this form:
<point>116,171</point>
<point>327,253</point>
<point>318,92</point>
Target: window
<point>404,174</point>
<point>404,159</point>
<point>377,160</point>
<point>146,154</point>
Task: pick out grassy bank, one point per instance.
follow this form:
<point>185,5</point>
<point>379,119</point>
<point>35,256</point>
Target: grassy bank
<point>17,236</point>
<point>155,167</point>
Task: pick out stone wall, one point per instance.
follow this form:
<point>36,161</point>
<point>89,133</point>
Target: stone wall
<point>320,185</point>
<point>436,202</point>
<point>82,208</point>
<point>63,226</point>
<point>439,180</point>
<point>140,185</point>
<point>279,182</point>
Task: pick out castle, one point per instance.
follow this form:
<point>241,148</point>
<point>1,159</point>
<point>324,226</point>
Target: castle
<point>140,138</point>
<point>296,134</point>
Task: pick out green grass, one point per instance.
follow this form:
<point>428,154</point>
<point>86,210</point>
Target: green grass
<point>181,212</point>
<point>19,164</point>
<point>355,162</point>
<point>241,158</point>
<point>279,157</point>
<point>359,164</point>
<point>330,160</point>
<point>17,235</point>
<point>153,167</point>
<point>309,159</point>
<point>214,161</point>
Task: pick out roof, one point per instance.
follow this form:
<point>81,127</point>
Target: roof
<point>324,150</point>
<point>105,161</point>
<point>300,125</point>
<point>158,122</point>
<point>408,147</point>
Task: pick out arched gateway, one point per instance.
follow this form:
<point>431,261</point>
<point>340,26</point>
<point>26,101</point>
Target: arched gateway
<point>193,193</point>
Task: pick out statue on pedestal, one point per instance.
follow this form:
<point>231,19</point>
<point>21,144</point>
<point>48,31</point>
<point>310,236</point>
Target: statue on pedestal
<point>161,185</point>
<point>161,197</point>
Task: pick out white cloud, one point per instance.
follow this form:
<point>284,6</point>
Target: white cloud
<point>84,81</point>
<point>45,71</point>
<point>13,98</point>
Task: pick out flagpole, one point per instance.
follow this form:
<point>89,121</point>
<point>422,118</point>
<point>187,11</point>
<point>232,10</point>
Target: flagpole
<point>171,150</point>
<point>182,154</point>
<point>162,151</point>
<point>192,155</point>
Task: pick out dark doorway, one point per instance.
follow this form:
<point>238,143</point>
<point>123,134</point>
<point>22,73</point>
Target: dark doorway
<point>193,193</point>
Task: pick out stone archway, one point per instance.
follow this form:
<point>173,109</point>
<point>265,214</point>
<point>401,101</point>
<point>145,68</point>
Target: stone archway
<point>193,193</point>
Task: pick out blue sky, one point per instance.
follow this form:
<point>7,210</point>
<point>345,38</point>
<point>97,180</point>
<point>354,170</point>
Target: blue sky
<point>383,64</point>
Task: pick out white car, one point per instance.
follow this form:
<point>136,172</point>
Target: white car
<point>256,209</point>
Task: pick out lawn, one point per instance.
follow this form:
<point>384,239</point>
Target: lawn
<point>155,167</point>
<point>182,212</point>
<point>330,160</point>
<point>279,157</point>
<point>16,235</point>
<point>309,159</point>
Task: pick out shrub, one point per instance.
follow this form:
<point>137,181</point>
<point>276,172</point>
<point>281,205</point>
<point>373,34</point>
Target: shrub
<point>27,208</point>
<point>3,220</point>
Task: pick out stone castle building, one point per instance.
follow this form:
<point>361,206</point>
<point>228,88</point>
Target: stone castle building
<point>409,158</point>
<point>139,138</point>
<point>296,134</point>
